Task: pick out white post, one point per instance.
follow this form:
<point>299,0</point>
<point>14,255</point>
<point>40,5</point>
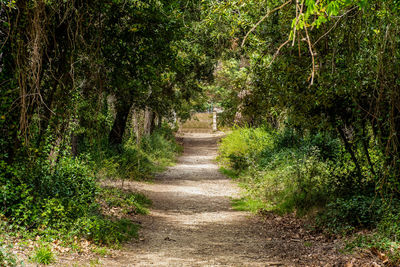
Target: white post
<point>214,121</point>
<point>174,114</point>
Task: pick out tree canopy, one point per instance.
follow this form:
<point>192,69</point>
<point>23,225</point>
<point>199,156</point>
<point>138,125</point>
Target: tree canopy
<point>86,79</point>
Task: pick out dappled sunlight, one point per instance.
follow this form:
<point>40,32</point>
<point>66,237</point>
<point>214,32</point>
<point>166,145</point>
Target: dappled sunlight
<point>201,219</point>
<point>197,166</point>
<point>192,222</point>
<point>186,191</point>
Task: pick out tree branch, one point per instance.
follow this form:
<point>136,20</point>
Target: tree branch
<point>262,19</point>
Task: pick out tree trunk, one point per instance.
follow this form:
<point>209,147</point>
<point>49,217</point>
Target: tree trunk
<point>159,121</point>
<point>349,149</point>
<point>365,140</point>
<point>74,145</point>
<point>118,128</point>
<point>149,121</point>
<point>136,127</point>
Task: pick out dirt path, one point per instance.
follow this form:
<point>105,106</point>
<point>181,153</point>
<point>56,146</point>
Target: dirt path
<point>192,223</point>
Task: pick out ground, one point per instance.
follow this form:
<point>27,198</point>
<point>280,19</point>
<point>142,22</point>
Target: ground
<point>192,223</point>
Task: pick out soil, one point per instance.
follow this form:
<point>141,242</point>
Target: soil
<point>192,223</point>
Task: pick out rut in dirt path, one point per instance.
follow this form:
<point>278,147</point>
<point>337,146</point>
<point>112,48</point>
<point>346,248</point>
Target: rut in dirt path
<point>192,222</point>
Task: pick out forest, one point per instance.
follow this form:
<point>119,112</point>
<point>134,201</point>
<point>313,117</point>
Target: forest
<point>93,91</point>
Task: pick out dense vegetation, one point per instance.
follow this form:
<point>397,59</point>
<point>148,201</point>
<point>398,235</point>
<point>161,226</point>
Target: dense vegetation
<point>314,89</point>
<point>90,90</point>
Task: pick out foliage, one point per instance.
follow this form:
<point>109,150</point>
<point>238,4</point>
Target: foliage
<point>315,65</point>
<point>288,170</point>
<point>48,195</point>
<point>43,255</point>
<point>103,230</point>
<point>137,160</point>
<point>61,199</point>
<point>7,258</point>
<point>88,90</point>
<point>358,211</point>
<point>85,84</point>
<point>278,168</point>
<point>383,247</point>
<point>285,171</point>
<point>242,145</point>
<point>130,203</point>
<point>323,76</point>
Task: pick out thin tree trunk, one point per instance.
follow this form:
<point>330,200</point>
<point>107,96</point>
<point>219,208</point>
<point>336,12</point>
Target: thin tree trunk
<point>365,146</point>
<point>74,145</point>
<point>349,149</point>
<point>149,121</point>
<point>136,127</point>
<point>159,121</point>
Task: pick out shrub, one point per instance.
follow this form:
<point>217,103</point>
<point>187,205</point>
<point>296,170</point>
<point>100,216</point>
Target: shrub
<point>242,146</point>
<point>59,198</point>
<point>343,215</point>
<point>63,202</point>
<point>43,255</point>
<point>131,203</point>
<point>138,160</point>
<point>102,230</point>
<point>49,195</point>
<point>279,167</point>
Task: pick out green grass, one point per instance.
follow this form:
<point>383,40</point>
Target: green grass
<point>229,172</point>
<point>102,251</point>
<point>247,204</point>
<point>307,244</point>
<point>95,262</point>
<point>43,255</point>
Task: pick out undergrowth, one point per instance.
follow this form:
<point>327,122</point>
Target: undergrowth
<point>62,199</point>
<point>7,258</point>
<point>312,174</point>
<point>43,255</point>
<point>136,160</point>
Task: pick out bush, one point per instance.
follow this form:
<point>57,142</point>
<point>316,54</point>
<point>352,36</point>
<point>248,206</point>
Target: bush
<point>285,171</point>
<point>49,195</point>
<point>346,214</point>
<point>105,231</point>
<point>43,255</point>
<point>305,184</point>
<point>130,203</point>
<point>138,160</point>
<point>278,167</point>
<point>241,147</point>
<point>60,199</point>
